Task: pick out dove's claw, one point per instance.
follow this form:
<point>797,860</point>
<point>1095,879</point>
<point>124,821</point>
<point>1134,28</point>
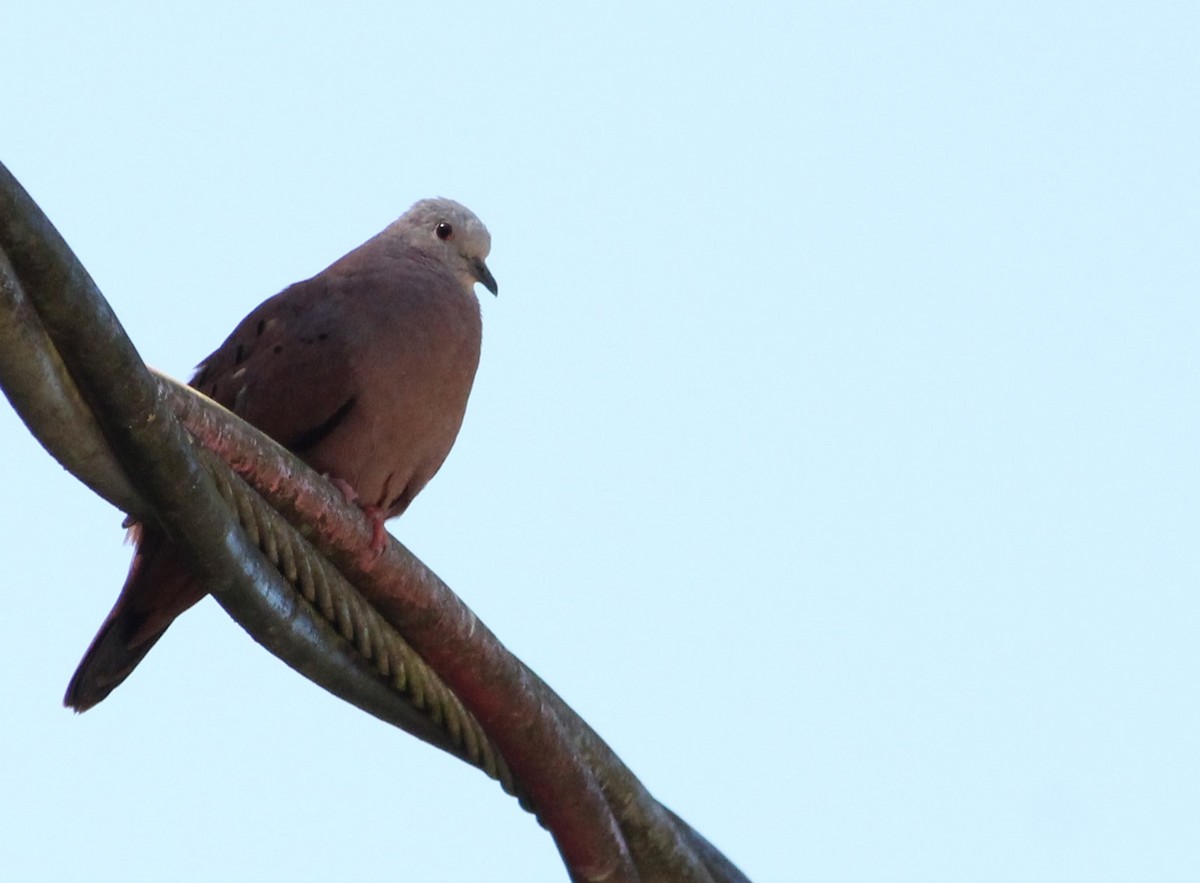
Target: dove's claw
<point>345,487</point>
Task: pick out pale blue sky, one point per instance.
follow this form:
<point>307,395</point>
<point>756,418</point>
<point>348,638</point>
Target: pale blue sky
<point>834,449</point>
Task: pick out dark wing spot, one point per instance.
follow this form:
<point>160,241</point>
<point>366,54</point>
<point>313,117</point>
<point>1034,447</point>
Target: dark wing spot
<point>277,349</point>
<point>324,335</point>
<point>239,356</point>
<point>310,438</point>
<point>261,325</point>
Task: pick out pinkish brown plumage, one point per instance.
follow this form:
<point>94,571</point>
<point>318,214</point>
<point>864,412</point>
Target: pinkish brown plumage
<point>364,370</point>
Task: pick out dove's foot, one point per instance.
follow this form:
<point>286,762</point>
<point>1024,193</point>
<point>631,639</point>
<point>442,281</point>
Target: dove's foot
<point>377,515</point>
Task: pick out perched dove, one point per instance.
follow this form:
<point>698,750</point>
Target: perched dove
<point>363,370</point>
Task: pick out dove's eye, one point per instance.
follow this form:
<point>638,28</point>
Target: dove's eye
<point>444,231</point>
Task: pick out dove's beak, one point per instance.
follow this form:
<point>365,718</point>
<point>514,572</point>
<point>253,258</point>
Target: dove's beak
<point>484,275</point>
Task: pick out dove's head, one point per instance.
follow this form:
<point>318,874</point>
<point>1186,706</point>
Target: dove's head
<point>444,229</point>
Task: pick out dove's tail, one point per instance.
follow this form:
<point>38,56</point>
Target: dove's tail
<point>157,590</point>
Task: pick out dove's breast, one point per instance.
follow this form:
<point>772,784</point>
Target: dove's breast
<point>410,353</point>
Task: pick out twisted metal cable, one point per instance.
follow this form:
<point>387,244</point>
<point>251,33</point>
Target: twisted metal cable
<point>337,601</point>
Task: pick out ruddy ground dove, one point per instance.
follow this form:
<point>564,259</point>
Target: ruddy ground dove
<point>363,371</point>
